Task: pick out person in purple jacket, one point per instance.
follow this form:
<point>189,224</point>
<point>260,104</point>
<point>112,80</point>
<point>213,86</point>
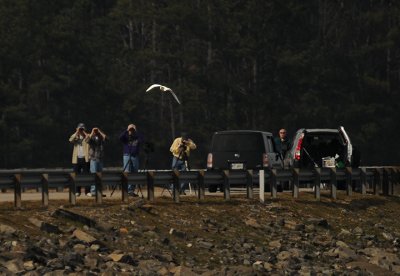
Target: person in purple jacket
<point>131,140</point>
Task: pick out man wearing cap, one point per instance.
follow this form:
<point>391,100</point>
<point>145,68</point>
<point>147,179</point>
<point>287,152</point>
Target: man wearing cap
<point>80,153</point>
<point>131,140</point>
<point>180,150</point>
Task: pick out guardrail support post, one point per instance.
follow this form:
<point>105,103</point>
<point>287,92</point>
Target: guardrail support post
<point>45,190</point>
<point>261,181</point>
<point>72,188</point>
<point>150,185</point>
<point>385,182</point>
<point>227,190</point>
<point>363,179</point>
<point>317,183</point>
<point>176,188</point>
<point>17,191</point>
<point>99,188</point>
<point>200,181</point>
<point>273,183</point>
<point>124,187</point>
<point>377,181</point>
<point>391,180</point>
<point>349,182</point>
<point>333,183</point>
<point>296,182</point>
<point>249,184</point>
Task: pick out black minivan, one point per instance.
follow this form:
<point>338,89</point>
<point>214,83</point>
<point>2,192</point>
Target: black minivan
<point>241,150</point>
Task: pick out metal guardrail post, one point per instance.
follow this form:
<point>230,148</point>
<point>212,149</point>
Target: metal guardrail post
<point>176,188</point>
<point>227,190</point>
<point>261,181</point>
<point>317,183</point>
<point>124,187</point>
<point>72,188</point>
<point>273,183</point>
<point>45,190</point>
<point>296,182</point>
<point>249,184</point>
<point>150,185</point>
<point>99,187</point>
<point>333,183</point>
<point>363,181</point>
<point>17,191</point>
<point>385,182</point>
<point>377,181</point>
<point>349,182</point>
<point>201,188</point>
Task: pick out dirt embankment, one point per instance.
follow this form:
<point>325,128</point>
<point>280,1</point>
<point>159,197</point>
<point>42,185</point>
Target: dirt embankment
<point>358,234</point>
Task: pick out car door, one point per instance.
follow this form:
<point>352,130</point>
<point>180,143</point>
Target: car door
<point>273,157</point>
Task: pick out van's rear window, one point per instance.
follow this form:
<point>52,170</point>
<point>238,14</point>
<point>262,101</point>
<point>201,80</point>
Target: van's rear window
<point>238,142</point>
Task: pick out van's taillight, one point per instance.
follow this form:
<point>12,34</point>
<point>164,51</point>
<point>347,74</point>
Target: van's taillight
<point>209,160</point>
<point>265,160</point>
<point>298,148</point>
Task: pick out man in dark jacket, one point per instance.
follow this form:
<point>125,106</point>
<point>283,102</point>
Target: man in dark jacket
<point>131,141</point>
<point>282,143</point>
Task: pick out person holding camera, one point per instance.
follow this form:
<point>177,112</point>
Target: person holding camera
<point>180,150</point>
<point>96,153</point>
<point>131,140</point>
<point>80,153</point>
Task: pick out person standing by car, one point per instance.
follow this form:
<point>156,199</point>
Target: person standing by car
<point>180,150</point>
<point>131,140</point>
<point>80,153</point>
<point>282,143</point>
<point>96,153</point>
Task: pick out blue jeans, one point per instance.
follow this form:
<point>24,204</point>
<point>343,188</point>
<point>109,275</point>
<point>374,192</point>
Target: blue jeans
<point>95,166</point>
<point>180,165</point>
<point>132,167</point>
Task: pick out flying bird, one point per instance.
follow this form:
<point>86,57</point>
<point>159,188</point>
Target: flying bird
<point>163,89</point>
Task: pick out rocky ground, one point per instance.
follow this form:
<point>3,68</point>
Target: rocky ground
<point>352,236</point>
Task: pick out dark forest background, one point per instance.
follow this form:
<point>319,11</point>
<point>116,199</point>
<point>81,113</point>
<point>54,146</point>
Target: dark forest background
<point>256,64</point>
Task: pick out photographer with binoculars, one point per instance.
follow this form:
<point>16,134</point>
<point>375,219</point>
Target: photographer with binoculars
<point>96,153</point>
<point>131,140</point>
<point>80,153</point>
<point>180,150</point>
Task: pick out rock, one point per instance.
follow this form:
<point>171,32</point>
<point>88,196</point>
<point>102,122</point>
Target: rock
<point>205,245</point>
<point>177,233</point>
<point>258,266</point>
<point>115,257</point>
<point>95,247</point>
<point>274,244</point>
<point>136,204</point>
<point>342,253</point>
<point>91,262</point>
<point>292,225</point>
<point>28,265</point>
<point>318,222</point>
<point>342,244</point>
<point>358,231</point>
<point>283,255</point>
<point>6,230</point>
<point>253,223</point>
<point>268,266</point>
<point>123,231</point>
<point>83,236</point>
<point>15,266</point>
<point>344,233</point>
<point>387,236</point>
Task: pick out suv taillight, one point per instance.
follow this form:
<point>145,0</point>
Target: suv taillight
<point>298,148</point>
<point>265,160</point>
<point>209,161</point>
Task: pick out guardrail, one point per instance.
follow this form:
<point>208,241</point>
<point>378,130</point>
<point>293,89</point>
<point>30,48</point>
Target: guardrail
<point>381,180</point>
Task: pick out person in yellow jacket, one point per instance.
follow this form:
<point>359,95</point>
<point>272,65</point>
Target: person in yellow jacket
<point>80,153</point>
<point>180,150</point>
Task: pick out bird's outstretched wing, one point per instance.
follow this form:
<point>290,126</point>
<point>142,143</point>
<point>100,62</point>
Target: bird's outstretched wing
<point>153,86</point>
<point>173,94</point>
